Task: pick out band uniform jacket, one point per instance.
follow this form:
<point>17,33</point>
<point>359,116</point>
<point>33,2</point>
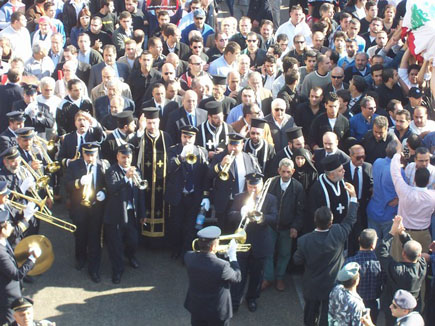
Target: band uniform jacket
<point>178,174</point>
<point>117,197</point>
<point>222,190</point>
<point>258,234</point>
<point>322,255</point>
<point>69,145</point>
<point>7,139</point>
<point>178,119</point>
<point>74,172</point>
<point>320,125</point>
<point>367,183</point>
<point>10,277</point>
<point>290,204</point>
<point>208,296</point>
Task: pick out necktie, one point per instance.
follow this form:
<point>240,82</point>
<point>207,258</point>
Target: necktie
<point>191,120</point>
<point>355,181</point>
<point>82,141</point>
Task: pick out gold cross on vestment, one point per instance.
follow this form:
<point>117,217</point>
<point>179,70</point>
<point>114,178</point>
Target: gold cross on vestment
<point>159,188</point>
<point>148,164</point>
<point>160,163</point>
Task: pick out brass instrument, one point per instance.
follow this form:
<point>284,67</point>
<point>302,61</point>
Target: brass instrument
<point>191,158</point>
<point>239,236</point>
<point>43,262</point>
<point>253,210</point>
<point>77,154</point>
<point>41,180</point>
<point>87,192</point>
<point>224,173</point>
<point>49,144</point>
<point>52,167</point>
<point>41,215</point>
<point>142,184</point>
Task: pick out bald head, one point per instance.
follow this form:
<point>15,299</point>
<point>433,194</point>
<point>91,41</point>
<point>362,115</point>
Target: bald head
<point>412,250</point>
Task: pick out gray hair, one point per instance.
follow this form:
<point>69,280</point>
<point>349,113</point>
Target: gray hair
<point>286,162</point>
<point>47,81</point>
<point>366,99</point>
<point>39,47</point>
<point>277,101</point>
<point>412,250</point>
<point>380,121</point>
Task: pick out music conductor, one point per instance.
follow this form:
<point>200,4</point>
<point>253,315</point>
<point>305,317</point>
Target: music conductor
<point>208,297</point>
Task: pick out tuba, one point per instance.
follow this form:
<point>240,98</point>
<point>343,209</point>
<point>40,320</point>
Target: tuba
<point>224,173</point>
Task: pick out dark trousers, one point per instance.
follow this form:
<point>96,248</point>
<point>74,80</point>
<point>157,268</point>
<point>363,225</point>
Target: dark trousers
<point>182,224</point>
<point>88,235</point>
<point>254,267</point>
<point>201,322</point>
<point>316,312</point>
<point>374,310</point>
<point>7,316</point>
<point>121,239</point>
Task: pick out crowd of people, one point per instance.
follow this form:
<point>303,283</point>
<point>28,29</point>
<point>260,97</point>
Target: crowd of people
<point>314,138</point>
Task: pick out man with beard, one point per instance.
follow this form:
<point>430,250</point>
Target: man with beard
<point>219,87</point>
<point>213,133</point>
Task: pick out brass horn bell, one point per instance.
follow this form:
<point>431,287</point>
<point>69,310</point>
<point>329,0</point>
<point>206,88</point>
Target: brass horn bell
<point>43,262</point>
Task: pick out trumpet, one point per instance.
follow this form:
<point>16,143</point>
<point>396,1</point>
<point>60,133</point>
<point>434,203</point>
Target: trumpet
<point>239,236</point>
<point>142,184</point>
<point>41,215</point>
<point>224,173</point>
<point>191,158</point>
<point>87,192</point>
<point>51,166</point>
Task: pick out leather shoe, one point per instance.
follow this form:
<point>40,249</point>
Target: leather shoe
<point>80,264</point>
<point>133,262</point>
<point>116,278</point>
<point>95,277</point>
<point>265,284</point>
<point>280,285</point>
<point>252,305</point>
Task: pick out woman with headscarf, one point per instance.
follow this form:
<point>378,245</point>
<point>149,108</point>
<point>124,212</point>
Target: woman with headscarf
<point>305,172</point>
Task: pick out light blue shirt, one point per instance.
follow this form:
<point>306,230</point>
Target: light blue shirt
<point>235,114</point>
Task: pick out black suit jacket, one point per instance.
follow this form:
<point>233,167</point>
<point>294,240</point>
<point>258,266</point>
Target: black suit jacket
<point>208,296</point>
<point>181,49</point>
<point>9,93</point>
<point>117,197</point>
<point>280,139</point>
<point>10,277</point>
<point>222,190</point>
<point>322,255</point>
<point>258,234</point>
<point>367,183</point>
<point>69,145</point>
<point>178,173</point>
<point>178,119</point>
<point>136,81</point>
<point>320,125</point>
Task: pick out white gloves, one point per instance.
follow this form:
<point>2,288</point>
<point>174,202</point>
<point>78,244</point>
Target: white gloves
<point>244,210</point>
<point>86,179</point>
<point>31,109</point>
<point>35,251</point>
<point>206,203</point>
<point>186,150</point>
<point>100,195</point>
<point>27,183</point>
<point>232,250</point>
<point>29,211</point>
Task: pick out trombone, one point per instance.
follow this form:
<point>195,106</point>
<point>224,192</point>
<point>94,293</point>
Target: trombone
<point>224,173</point>
<point>52,167</point>
<point>41,215</point>
<point>42,181</point>
<point>239,236</point>
<point>49,144</point>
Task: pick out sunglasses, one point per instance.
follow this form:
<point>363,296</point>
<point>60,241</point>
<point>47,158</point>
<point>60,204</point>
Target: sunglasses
<point>337,77</point>
<point>360,157</point>
<point>197,47</point>
<point>279,110</point>
<point>168,73</point>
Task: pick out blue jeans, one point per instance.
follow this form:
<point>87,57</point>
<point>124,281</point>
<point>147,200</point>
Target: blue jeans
<point>382,228</point>
<point>283,248</point>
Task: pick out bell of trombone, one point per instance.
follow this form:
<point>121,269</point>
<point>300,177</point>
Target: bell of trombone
<point>239,236</point>
<point>43,262</point>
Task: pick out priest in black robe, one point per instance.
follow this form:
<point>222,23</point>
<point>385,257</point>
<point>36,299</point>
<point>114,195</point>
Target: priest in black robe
<point>153,163</point>
<point>329,191</point>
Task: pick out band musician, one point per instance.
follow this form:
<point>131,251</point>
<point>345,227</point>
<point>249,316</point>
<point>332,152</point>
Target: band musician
<point>85,185</point>
<point>256,210</point>
<point>208,297</point>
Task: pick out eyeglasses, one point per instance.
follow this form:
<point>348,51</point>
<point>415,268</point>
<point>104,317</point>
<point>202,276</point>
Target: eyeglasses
<point>394,305</point>
<point>337,77</point>
<point>360,157</point>
<point>168,73</point>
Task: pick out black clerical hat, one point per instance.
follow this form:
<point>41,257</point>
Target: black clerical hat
<point>331,162</point>
<point>213,107</point>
